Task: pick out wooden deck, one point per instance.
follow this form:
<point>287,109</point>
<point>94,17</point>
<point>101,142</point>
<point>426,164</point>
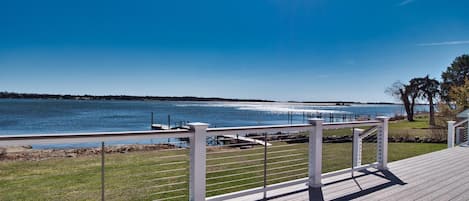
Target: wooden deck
<point>441,175</point>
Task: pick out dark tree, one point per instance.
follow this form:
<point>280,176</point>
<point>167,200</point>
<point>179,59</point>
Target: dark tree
<point>429,89</point>
<point>407,94</point>
<point>454,75</point>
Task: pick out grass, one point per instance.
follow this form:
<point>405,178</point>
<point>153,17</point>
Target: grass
<point>138,175</point>
<point>420,127</point>
<point>401,128</point>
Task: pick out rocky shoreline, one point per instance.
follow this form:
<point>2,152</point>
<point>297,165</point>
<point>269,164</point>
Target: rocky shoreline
<point>372,139</point>
<point>349,138</point>
<point>27,153</point>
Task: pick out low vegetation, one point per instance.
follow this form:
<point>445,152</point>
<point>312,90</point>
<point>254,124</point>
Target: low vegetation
<point>138,175</point>
<point>410,130</point>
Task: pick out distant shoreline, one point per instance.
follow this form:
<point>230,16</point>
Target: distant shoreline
<point>13,95</point>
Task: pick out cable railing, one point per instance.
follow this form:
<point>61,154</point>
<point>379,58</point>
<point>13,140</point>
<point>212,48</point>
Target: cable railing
<point>458,132</point>
<point>283,157</point>
<point>249,160</point>
<point>115,170</point>
<point>245,167</point>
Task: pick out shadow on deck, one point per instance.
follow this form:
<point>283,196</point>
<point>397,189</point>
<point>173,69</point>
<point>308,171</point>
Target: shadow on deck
<point>316,194</point>
<point>441,175</point>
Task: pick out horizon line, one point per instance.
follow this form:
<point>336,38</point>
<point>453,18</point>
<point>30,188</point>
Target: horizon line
<point>3,93</point>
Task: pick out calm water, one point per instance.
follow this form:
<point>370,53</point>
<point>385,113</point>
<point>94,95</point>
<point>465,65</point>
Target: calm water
<point>59,116</point>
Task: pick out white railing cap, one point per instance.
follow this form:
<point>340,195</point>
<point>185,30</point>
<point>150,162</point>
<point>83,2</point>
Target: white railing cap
<point>198,124</point>
<point>382,117</point>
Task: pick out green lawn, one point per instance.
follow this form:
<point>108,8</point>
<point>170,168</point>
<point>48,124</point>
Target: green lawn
<point>400,128</point>
<point>137,175</point>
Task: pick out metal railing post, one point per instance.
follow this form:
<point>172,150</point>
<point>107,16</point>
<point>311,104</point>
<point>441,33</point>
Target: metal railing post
<point>265,167</point>
<point>197,161</point>
<point>357,147</point>
<point>102,171</point>
<point>450,137</point>
<point>467,134</point>
<point>315,153</point>
<point>382,143</point>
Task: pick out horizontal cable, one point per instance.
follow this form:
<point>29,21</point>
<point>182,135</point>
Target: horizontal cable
<point>238,186</point>
<point>250,172</point>
<point>154,164</point>
<point>245,167</point>
<point>234,163</point>
<point>231,151</point>
<point>278,146</point>
<point>165,141</point>
<point>278,136</point>
<point>237,156</point>
<point>238,168</point>
<point>173,177</point>
<point>256,154</point>
<point>278,168</point>
<point>236,180</point>
<point>155,172</point>
<point>171,198</point>
<point>287,171</point>
<point>283,151</point>
<point>173,170</point>
<point>175,156</point>
<point>287,134</point>
<point>166,185</point>
<point>287,161</point>
<point>172,163</point>
<point>285,156</point>
<point>291,176</point>
<point>151,187</point>
<point>283,167</point>
<point>232,175</point>
<point>174,149</point>
<point>288,140</point>
<point>238,144</point>
<point>249,161</point>
<point>170,191</point>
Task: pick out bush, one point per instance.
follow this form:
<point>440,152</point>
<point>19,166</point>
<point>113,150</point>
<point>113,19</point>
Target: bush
<point>438,134</point>
<point>3,152</point>
<point>445,114</point>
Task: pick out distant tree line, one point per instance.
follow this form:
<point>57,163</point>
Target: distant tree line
<point>452,92</point>
<point>13,95</point>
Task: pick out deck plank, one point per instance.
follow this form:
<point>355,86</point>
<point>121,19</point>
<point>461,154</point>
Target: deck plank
<point>441,175</point>
<point>419,180</point>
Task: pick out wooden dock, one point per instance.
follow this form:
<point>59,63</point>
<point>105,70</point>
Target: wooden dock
<point>441,175</point>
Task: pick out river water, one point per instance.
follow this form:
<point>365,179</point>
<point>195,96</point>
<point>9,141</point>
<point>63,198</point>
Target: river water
<point>24,116</point>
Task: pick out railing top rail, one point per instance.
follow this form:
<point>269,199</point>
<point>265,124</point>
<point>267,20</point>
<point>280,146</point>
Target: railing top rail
<point>288,127</point>
<point>94,134</point>
<point>460,123</point>
<point>258,129</point>
<point>177,133</point>
<point>351,124</point>
<point>8,140</point>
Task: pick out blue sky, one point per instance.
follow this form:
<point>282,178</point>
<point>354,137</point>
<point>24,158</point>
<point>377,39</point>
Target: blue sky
<point>272,49</point>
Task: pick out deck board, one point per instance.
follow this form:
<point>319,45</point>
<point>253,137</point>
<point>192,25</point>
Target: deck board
<point>441,175</point>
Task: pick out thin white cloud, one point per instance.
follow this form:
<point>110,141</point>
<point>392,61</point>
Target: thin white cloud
<point>405,2</point>
<point>457,42</point>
